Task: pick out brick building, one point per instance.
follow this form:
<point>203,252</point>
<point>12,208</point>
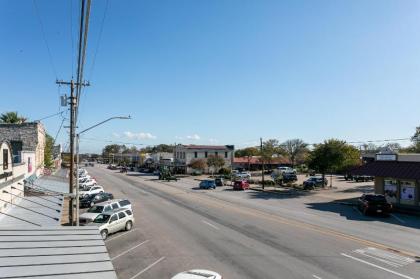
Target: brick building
<point>27,142</point>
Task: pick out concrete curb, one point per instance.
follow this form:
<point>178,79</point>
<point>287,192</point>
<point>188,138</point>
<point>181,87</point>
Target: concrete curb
<point>271,191</point>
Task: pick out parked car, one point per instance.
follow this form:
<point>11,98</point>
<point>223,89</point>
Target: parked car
<point>198,274</point>
<point>376,204</point>
<point>241,185</point>
<point>92,199</point>
<point>363,178</point>
<point>220,181</point>
<point>114,221</point>
<point>208,184</point>
<point>315,181</point>
<point>91,190</point>
<point>289,177</point>
<point>103,207</point>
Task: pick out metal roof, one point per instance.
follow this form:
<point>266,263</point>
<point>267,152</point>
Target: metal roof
<point>54,252</point>
<point>394,169</point>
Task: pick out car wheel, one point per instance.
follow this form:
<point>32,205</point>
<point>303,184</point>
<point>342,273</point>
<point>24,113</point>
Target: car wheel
<point>104,234</point>
<point>365,212</point>
<point>128,225</point>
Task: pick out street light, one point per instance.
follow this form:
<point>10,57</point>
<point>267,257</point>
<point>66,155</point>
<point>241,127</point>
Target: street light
<point>77,158</point>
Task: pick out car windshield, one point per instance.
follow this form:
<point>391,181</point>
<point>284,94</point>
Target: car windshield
<point>102,218</point>
<point>96,209</point>
<point>375,198</point>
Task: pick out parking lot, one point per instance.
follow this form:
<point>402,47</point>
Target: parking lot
<point>170,235</point>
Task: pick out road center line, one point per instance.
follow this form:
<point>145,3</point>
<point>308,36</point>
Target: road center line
<point>149,267</point>
<point>398,219</point>
<point>377,266</point>
<point>317,277</point>
<point>132,248</point>
<point>112,238</point>
<point>209,224</point>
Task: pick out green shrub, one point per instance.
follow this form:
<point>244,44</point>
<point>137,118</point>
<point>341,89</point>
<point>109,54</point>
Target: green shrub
<point>224,171</point>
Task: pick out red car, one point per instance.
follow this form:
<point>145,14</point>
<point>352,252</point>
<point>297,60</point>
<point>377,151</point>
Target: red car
<point>241,185</point>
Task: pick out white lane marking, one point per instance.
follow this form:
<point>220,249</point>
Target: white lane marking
<point>377,266</point>
<point>398,219</point>
<point>112,238</point>
<point>132,248</point>
<point>317,277</point>
<point>149,267</point>
<point>392,259</point>
<point>378,259</point>
<point>209,224</point>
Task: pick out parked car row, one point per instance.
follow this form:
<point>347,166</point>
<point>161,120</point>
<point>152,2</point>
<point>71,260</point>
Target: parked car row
<point>110,215</point>
<point>358,178</point>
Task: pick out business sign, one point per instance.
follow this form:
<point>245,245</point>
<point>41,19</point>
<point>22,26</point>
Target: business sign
<point>386,157</point>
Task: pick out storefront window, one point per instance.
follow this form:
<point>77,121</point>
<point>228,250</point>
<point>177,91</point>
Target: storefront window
<point>390,189</point>
<point>408,190</point>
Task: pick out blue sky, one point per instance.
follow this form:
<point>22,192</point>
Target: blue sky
<point>225,72</point>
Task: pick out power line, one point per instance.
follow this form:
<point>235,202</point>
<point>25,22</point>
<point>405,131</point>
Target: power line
<point>112,141</point>
<point>45,38</point>
<point>49,116</point>
<point>99,39</point>
<point>71,38</point>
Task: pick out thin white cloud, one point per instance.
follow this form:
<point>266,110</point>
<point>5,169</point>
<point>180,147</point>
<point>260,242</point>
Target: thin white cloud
<point>213,140</point>
<point>139,136</point>
<point>178,138</point>
<point>116,135</point>
<point>193,137</point>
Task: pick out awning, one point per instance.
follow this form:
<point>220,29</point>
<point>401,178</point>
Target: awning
<point>393,169</point>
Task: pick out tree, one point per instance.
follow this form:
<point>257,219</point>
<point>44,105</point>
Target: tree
<point>333,155</point>
<point>271,148</point>
<point>247,152</point>
<point>415,146</point>
<point>12,118</point>
<point>198,164</point>
<point>48,151</point>
<point>294,148</point>
<point>215,162</point>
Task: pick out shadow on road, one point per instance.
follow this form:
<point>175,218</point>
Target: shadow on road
<point>351,212</point>
<point>363,189</point>
<point>279,196</point>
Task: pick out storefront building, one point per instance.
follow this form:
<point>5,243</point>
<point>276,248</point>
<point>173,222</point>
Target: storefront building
<point>397,176</point>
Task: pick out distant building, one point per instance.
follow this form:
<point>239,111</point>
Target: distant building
<point>11,177</point>
<point>397,176</point>
<point>27,142</point>
<point>255,163</point>
<point>185,154</point>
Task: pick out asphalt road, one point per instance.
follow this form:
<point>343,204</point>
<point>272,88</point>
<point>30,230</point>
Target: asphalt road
<point>178,228</point>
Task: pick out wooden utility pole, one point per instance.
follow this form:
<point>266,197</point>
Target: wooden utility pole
<point>73,172</point>
<point>262,163</point>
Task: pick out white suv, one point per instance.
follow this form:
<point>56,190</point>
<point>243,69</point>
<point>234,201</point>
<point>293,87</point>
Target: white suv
<point>103,207</point>
<point>91,190</point>
<point>114,221</point>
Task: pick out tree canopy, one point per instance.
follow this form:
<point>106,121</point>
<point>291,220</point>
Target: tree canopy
<point>12,117</point>
<point>215,161</point>
<point>294,149</point>
<point>48,151</point>
<point>198,164</point>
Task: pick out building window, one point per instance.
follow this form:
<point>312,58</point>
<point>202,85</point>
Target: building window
<point>216,154</point>
<point>408,193</point>
<point>5,159</point>
<point>391,190</point>
<point>226,154</point>
<point>195,154</point>
<point>205,154</point>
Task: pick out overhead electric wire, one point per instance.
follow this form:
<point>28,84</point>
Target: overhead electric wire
<point>99,40</point>
<point>111,141</point>
<point>49,116</point>
<point>45,38</point>
<point>71,38</point>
